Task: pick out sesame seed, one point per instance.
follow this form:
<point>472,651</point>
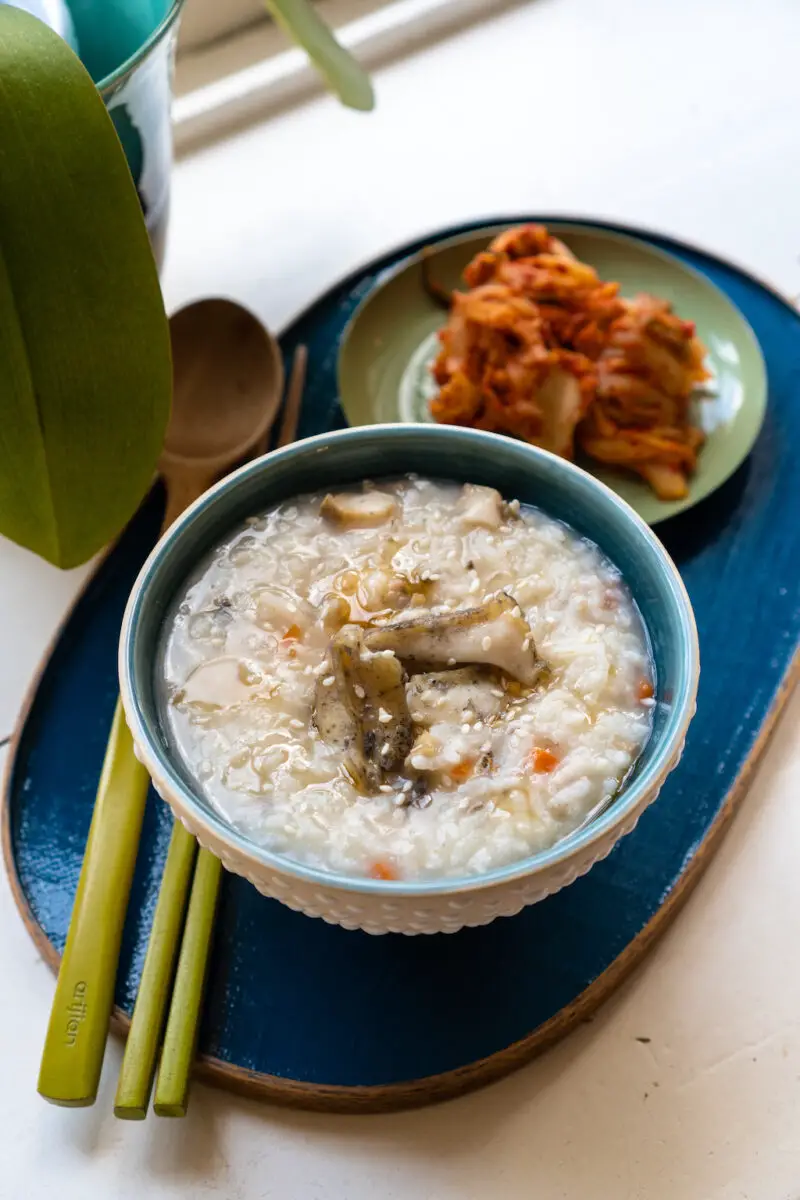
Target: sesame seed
<point>486,644</point>
<point>385,749</point>
<point>516,611</point>
<point>526,645</point>
<point>476,583</point>
<point>328,681</point>
<point>498,692</point>
<point>451,662</point>
<point>465,728</point>
<point>383,716</point>
<point>407,786</point>
<point>479,724</point>
<point>292,608</point>
<point>385,788</point>
<point>359,691</point>
<point>309,670</point>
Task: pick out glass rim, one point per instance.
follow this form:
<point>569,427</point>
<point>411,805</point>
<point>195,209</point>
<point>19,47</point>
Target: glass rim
<point>126,68</point>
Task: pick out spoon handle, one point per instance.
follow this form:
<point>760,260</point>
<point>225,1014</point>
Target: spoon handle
<point>183,488</point>
<point>76,1036</point>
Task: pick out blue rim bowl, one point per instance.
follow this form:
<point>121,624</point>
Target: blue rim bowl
<point>517,470</point>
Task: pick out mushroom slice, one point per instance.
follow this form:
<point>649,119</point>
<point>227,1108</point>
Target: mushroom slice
<point>360,709</point>
<point>435,696</point>
<point>494,633</point>
<point>358,508</point>
<point>481,506</point>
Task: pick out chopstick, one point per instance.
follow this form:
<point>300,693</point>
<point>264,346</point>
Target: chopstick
<point>294,397</point>
<point>180,1037</point>
<point>141,1048</point>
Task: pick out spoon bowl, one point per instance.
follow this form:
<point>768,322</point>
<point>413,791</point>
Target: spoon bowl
<point>227,383</point>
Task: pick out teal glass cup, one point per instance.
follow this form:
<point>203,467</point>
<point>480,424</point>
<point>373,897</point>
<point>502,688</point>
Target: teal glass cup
<point>128,47</point>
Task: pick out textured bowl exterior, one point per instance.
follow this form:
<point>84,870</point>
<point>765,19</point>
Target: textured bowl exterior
<point>442,913</point>
<point>396,907</point>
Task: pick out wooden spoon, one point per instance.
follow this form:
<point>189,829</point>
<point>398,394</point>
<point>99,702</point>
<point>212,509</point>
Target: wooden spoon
<point>227,378</point>
<point>227,381</point>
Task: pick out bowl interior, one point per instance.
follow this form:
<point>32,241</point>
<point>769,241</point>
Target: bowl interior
<point>518,471</point>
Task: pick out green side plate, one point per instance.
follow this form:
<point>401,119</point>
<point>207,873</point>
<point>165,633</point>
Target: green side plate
<point>388,347</point>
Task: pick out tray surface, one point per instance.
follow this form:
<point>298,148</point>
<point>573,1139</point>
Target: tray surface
<point>310,1014</point>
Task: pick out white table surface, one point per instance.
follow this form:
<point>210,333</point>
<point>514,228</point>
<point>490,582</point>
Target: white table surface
<point>560,105</point>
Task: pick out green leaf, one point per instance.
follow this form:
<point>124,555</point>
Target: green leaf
<point>85,374</point>
<point>340,70</point>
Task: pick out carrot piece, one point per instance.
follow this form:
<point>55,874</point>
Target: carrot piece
<point>462,770</point>
<point>542,761</point>
<point>645,691</point>
<point>383,870</point>
<point>293,634</point>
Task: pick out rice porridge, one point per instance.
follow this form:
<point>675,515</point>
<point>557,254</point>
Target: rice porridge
<point>411,679</point>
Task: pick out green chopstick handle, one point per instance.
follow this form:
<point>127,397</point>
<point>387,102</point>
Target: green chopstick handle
<point>172,1088</point>
<point>76,1036</point>
<point>144,1036</point>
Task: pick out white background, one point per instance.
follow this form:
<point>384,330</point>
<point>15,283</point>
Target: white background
<point>679,115</point>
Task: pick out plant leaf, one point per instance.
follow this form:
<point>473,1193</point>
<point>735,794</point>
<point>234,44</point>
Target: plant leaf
<point>337,66</point>
<point>85,374</point>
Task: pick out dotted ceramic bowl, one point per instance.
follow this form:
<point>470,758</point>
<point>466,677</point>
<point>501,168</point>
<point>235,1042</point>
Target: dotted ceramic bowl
<point>333,460</point>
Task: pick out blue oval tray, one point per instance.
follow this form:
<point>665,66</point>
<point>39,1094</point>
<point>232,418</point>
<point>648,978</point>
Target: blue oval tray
<point>309,1014</point>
